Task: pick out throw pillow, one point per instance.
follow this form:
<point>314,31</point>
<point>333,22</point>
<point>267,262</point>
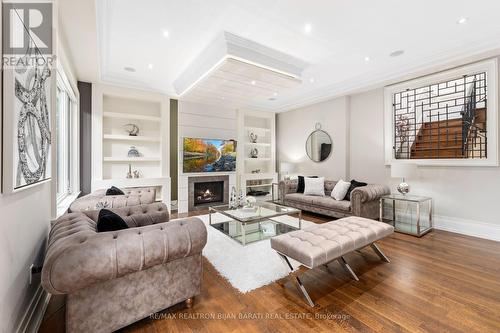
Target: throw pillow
<point>300,184</point>
<point>109,221</point>
<point>354,184</point>
<point>314,186</point>
<point>340,189</point>
<point>113,190</point>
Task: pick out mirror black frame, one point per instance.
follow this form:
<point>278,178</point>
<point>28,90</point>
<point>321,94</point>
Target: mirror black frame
<point>318,129</point>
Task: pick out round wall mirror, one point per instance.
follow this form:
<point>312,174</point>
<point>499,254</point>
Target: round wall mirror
<point>318,145</point>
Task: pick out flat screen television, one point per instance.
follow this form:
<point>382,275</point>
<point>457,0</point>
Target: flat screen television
<point>208,155</point>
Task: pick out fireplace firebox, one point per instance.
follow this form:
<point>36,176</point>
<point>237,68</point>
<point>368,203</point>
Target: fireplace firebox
<point>208,193</point>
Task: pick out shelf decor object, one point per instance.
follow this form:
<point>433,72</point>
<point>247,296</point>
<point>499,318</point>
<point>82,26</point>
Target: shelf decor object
<point>133,152</point>
<point>232,198</point>
<point>254,153</point>
<point>411,214</point>
<point>253,137</point>
<point>131,129</point>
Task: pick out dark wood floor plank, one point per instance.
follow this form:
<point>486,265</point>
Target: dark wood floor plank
<point>442,282</point>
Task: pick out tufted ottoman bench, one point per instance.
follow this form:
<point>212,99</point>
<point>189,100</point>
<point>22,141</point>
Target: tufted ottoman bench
<point>320,244</point>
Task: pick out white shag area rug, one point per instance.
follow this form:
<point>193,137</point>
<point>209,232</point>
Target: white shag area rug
<point>245,267</point>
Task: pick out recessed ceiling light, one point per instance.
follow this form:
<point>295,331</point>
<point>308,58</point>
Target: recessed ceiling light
<point>253,82</point>
<point>462,20</point>
<point>307,28</point>
<point>166,33</point>
<point>150,66</point>
<point>275,94</point>
<point>311,80</point>
<point>129,69</point>
<point>367,59</point>
<point>396,53</point>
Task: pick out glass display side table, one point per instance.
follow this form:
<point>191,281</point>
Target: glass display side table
<point>409,214</point>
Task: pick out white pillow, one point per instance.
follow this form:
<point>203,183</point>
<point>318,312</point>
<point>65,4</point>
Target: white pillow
<point>340,190</point>
<point>314,186</point>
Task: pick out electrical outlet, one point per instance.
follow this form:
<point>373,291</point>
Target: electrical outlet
<point>31,273</point>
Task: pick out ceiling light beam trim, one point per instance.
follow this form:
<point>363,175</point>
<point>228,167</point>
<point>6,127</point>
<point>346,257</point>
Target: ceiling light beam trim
<point>229,46</point>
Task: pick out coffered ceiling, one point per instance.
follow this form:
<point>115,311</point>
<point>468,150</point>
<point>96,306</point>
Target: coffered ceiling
<point>236,84</point>
<point>345,44</point>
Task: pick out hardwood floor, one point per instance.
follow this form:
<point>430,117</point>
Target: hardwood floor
<point>442,282</point>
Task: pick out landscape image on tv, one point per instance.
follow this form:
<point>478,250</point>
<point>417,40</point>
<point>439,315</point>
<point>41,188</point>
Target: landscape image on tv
<point>206,155</point>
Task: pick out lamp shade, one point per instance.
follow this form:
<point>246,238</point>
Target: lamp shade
<point>404,170</point>
<point>287,167</point>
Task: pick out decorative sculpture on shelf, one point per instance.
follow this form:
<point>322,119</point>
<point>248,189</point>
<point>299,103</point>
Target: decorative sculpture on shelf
<point>136,174</point>
<point>250,202</point>
<point>129,173</point>
<point>249,205</point>
<point>233,199</point>
<point>256,171</point>
<point>254,153</point>
<point>253,137</point>
<point>241,198</point>
<point>131,129</point>
<point>133,152</point>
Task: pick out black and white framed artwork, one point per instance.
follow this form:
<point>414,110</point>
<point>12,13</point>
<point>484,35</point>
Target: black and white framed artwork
<point>27,124</point>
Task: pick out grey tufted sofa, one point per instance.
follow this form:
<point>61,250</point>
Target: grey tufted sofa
<point>98,199</point>
<point>364,201</point>
<point>113,279</point>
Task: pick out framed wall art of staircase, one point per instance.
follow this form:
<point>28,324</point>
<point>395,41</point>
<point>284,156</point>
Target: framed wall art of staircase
<point>446,118</point>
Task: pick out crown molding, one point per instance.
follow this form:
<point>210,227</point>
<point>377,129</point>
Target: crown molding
<point>379,79</point>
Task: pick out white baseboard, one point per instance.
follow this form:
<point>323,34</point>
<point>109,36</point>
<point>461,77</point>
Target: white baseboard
<point>34,313</point>
<point>468,227</point>
<point>459,225</point>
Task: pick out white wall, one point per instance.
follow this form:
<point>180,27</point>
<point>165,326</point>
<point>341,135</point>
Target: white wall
<point>465,198</point>
<point>24,224</point>
<point>293,128</point>
<point>208,122</point>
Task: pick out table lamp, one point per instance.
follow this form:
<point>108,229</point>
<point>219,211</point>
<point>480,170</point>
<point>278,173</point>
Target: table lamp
<point>286,168</point>
<point>403,171</point>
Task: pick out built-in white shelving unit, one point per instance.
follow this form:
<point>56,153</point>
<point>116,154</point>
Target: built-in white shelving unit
<point>257,174</point>
<point>113,109</point>
<point>131,138</point>
<point>131,159</point>
<point>122,115</point>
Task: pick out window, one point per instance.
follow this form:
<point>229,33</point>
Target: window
<point>446,118</point>
<point>63,129</point>
<point>65,138</point>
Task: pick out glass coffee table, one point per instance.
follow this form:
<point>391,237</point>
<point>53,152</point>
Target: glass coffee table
<point>247,226</point>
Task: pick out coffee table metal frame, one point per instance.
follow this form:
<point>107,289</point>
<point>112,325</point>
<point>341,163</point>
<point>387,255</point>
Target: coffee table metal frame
<point>253,220</point>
